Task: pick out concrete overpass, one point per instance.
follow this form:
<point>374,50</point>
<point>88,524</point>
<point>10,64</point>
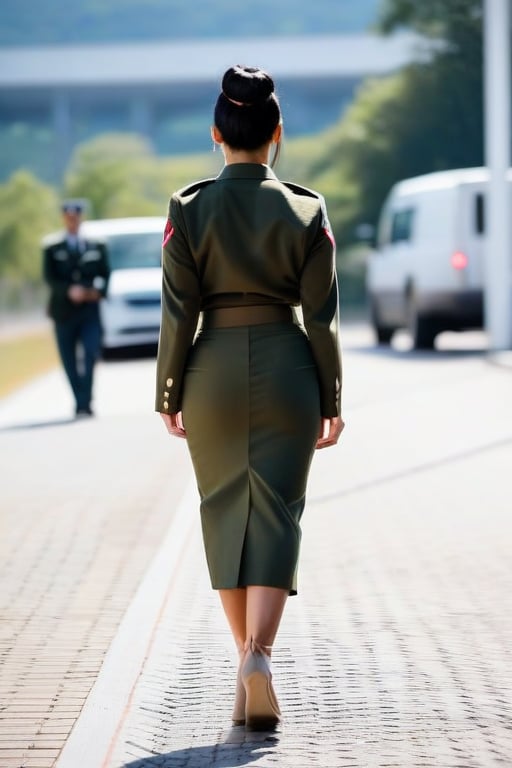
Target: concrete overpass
<point>166,90</point>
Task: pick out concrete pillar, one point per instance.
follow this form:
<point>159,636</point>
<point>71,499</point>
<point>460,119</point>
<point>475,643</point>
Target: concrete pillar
<point>62,127</point>
<point>498,252</point>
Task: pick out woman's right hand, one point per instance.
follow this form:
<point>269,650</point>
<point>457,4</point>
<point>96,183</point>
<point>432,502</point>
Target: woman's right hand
<point>330,431</point>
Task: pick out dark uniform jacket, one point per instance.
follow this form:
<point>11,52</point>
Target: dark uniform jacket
<point>63,267</point>
<point>240,239</point>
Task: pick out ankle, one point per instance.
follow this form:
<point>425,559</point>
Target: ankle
<point>257,647</point>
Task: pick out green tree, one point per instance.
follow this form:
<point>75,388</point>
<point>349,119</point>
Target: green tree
<point>28,210</point>
<point>427,117</point>
<point>454,21</point>
<point>452,81</point>
<point>118,174</point>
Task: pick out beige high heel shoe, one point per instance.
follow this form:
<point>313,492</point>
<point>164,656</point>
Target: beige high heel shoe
<point>262,711</point>
<point>238,716</point>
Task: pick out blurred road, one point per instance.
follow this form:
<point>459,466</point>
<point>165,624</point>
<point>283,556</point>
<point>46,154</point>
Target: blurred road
<point>397,651</point>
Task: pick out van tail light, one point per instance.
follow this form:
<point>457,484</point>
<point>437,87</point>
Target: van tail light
<point>459,260</point>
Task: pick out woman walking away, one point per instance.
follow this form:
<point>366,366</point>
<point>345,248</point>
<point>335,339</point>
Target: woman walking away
<point>252,390</point>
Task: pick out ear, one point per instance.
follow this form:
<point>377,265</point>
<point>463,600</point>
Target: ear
<point>276,136</point>
<point>216,135</point>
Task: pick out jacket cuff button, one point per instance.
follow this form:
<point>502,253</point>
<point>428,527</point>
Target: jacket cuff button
<point>166,404</point>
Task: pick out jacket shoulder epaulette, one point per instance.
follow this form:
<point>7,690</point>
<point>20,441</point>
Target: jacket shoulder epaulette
<point>193,188</point>
<point>52,239</point>
<point>304,191</point>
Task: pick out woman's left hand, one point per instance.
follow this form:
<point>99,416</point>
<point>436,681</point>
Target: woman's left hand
<point>330,431</point>
<point>174,424</point>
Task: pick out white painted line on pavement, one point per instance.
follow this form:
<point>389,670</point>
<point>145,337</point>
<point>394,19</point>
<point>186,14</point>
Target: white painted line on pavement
<point>95,731</point>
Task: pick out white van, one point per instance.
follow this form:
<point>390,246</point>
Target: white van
<point>426,272</point>
<point>130,313</point>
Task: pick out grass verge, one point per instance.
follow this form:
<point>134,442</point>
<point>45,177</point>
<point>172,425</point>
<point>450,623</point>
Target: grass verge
<point>26,356</point>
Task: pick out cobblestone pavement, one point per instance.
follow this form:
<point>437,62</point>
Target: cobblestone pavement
<point>395,654</point>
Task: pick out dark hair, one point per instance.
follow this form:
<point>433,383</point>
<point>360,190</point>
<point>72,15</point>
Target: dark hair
<point>247,111</point>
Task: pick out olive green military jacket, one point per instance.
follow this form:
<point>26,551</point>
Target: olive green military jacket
<point>62,267</point>
<point>240,239</point>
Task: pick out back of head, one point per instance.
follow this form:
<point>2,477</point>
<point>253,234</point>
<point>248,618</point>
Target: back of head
<point>247,110</point>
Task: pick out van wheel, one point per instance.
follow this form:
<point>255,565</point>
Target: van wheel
<point>382,332</point>
<point>107,353</point>
<point>422,329</point>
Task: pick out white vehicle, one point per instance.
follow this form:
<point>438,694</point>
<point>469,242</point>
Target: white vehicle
<point>130,313</point>
<point>426,272</point>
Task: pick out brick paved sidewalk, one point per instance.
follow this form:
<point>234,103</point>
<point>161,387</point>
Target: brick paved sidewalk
<point>397,651</point>
<point>79,526</point>
<point>395,654</point>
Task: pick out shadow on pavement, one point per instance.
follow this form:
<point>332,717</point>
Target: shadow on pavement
<point>448,345</point>
<point>416,469</point>
<point>405,354</point>
<point>129,353</point>
<point>39,425</point>
<point>236,751</point>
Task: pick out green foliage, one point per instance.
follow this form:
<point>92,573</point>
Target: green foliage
<point>23,23</point>
<point>180,171</point>
<point>427,117</point>
<point>117,173</point>
<point>28,209</point>
<point>25,144</point>
<point>120,176</point>
<point>454,21</point>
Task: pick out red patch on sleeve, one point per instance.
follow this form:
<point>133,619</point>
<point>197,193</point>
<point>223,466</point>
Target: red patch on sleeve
<point>330,236</point>
<point>168,232</point>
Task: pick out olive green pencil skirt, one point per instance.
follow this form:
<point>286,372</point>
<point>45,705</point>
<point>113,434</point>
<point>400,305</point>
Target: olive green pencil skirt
<point>251,410</point>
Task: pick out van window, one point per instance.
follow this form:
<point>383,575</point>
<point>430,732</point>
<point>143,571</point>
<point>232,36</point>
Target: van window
<point>401,226</point>
<point>384,227</point>
<point>479,215</point>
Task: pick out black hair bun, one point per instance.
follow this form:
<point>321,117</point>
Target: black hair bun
<point>247,85</point>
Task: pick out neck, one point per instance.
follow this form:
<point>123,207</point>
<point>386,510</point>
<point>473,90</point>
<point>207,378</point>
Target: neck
<point>244,156</point>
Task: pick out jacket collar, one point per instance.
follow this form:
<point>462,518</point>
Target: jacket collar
<point>247,171</point>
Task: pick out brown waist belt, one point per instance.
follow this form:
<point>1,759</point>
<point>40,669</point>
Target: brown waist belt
<point>230,317</point>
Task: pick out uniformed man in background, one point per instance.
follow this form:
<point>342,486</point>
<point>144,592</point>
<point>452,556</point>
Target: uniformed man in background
<point>77,272</point>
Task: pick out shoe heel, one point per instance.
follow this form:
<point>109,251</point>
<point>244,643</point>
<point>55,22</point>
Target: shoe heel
<point>262,713</point>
